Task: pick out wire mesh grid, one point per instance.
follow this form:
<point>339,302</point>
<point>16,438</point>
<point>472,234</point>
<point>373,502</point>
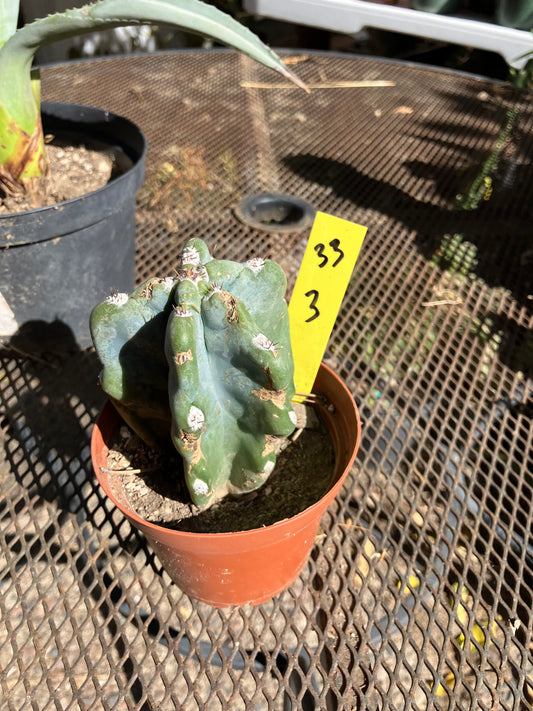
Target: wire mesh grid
<point>418,591</point>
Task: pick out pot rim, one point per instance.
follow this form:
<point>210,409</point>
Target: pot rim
<point>302,516</point>
<point>47,111</point>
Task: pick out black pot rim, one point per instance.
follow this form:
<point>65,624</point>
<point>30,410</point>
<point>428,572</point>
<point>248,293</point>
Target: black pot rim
<point>253,208</point>
<point>92,114</point>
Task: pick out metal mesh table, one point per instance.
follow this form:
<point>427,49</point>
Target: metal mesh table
<point>418,593</point>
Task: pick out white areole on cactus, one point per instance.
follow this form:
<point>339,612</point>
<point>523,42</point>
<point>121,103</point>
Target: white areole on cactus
<point>264,343</point>
<point>167,283</point>
<point>200,487</point>
<point>190,255</point>
<point>195,418</point>
<point>117,298</point>
<point>255,264</point>
<point>194,274</point>
<point>269,468</point>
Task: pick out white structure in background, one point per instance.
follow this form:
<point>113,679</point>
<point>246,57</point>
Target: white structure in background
<point>121,40</point>
<point>351,16</point>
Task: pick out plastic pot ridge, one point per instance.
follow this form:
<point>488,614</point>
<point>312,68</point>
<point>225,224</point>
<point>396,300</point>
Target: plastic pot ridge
<point>57,260</point>
<point>252,566</point>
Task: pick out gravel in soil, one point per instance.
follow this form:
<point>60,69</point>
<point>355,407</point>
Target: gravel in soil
<point>156,491</point>
<point>75,170</point>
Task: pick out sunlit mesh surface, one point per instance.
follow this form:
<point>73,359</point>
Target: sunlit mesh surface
<point>418,593</point>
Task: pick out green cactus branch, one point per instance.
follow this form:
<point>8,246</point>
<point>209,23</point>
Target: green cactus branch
<point>22,154</point>
<point>205,359</point>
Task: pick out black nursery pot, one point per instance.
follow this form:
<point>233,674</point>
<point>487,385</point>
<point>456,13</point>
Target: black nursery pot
<point>56,262</point>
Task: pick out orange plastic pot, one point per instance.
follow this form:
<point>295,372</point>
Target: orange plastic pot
<point>225,569</point>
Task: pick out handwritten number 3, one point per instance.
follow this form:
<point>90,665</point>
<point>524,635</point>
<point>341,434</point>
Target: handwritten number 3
<point>319,249</point>
<point>335,246</point>
<point>313,294</point>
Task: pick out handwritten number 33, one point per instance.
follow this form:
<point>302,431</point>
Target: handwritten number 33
<point>335,246</point>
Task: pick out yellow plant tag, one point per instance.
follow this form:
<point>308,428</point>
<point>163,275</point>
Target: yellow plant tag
<point>326,268</point>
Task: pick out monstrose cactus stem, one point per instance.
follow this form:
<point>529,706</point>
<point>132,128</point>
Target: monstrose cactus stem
<point>204,358</point>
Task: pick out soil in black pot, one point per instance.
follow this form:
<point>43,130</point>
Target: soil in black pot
<point>75,170</point>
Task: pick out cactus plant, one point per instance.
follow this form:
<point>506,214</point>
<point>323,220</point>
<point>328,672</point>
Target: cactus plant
<point>218,334</point>
<point>23,161</point>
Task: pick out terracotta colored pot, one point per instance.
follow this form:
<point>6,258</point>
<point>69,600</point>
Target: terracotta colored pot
<point>248,566</point>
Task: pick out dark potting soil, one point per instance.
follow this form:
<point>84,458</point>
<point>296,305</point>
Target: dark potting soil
<point>156,491</point>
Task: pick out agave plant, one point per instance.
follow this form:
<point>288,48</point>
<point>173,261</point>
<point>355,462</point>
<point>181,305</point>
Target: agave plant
<point>23,162</point>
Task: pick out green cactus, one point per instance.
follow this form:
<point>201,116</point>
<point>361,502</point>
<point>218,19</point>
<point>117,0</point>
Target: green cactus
<point>206,358</point>
<point>129,335</point>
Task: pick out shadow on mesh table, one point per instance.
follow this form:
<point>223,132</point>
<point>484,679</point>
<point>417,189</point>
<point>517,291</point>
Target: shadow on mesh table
<point>468,241</point>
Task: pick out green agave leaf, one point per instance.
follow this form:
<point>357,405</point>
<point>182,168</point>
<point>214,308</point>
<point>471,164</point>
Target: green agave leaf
<point>9,10</point>
<point>18,109</point>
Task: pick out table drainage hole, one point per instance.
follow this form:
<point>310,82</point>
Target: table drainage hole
<point>274,212</point>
